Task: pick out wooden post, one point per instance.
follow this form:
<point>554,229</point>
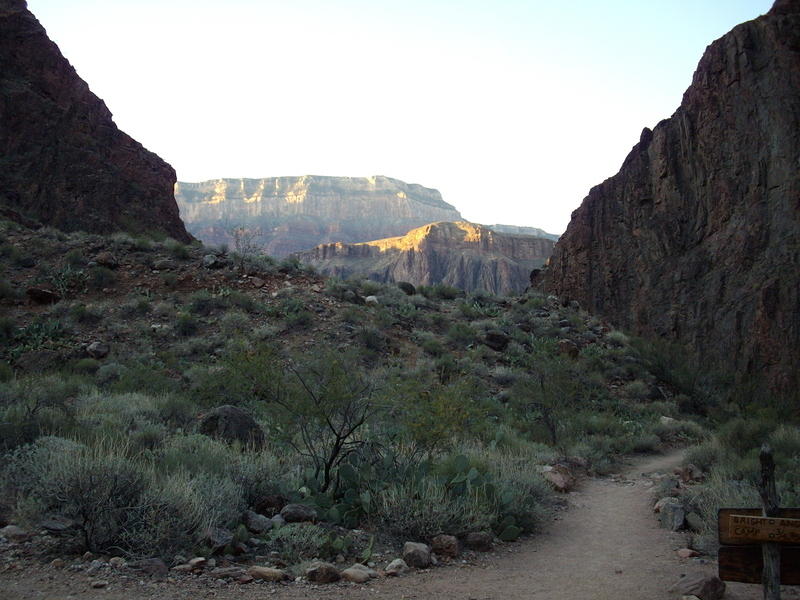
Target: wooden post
<point>771,552</point>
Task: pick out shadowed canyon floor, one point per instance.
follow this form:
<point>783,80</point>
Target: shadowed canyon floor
<point>607,545</point>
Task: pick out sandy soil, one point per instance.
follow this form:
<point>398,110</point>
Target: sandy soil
<point>607,545</point>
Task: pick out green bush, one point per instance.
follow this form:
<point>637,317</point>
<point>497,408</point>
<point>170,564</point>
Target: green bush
<point>299,541</point>
<point>203,303</point>
<point>186,324</point>
<point>101,277</point>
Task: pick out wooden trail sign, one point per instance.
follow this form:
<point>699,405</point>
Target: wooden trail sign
<point>756,544</point>
<point>738,527</point>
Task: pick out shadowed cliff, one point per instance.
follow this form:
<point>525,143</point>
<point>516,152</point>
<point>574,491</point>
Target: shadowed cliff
<point>697,238</point>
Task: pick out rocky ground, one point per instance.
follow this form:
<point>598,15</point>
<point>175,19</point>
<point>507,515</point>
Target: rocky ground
<point>606,545</point>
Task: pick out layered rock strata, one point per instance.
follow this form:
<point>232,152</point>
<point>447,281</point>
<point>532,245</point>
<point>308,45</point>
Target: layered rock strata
<point>289,214</point>
<point>460,254</point>
<point>697,237</point>
<point>64,161</point>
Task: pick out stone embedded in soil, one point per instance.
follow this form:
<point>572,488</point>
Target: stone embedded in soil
<point>686,553</point>
<point>697,584</point>
<point>672,515</point>
<point>99,583</point>
<point>355,575</point>
<point>417,555</point>
<point>150,566</point>
<point>199,562</point>
<point>14,533</point>
<point>267,573</point>
<point>257,523</point>
<point>445,545</point>
<point>226,572</point>
<point>323,572</point>
<point>397,567</point>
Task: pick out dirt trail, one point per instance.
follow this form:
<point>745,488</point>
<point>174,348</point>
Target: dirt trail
<point>606,546</point>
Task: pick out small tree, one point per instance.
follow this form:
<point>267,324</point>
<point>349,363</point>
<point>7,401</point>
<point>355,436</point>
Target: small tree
<point>245,245</point>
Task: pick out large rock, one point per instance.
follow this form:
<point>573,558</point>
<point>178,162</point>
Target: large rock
<point>672,515</point>
<point>232,424</point>
<point>257,523</point>
<point>289,214</point>
<point>298,513</point>
<point>65,163</point>
<point>695,238</point>
<point>460,254</point>
<point>703,586</point>
<point>417,555</point>
<point>323,572</point>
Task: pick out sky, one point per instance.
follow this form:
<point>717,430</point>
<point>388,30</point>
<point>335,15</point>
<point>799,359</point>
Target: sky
<point>512,109</point>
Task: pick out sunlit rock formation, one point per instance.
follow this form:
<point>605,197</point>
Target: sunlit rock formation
<point>289,214</point>
<point>460,254</point>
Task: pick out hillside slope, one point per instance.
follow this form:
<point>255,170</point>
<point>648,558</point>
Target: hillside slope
<point>697,238</point>
<point>64,162</point>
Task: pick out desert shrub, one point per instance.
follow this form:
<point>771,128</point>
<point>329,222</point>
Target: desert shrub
<point>186,324</point>
<point>86,366</point>
<point>461,335</point>
<point>86,314</point>
<point>420,509</point>
<point>430,344</point>
<point>678,431</point>
<point>75,258</point>
<point>298,320</point>
<point>704,455</point>
<point>636,390</point>
<point>8,329</point>
<point>617,338</point>
<point>109,373</point>
<point>504,376</point>
<point>195,454</point>
<point>234,322</point>
<point>223,497</point>
<point>8,291</point>
<point>520,491</point>
<point>203,302</point>
<point>135,307</point>
<point>290,265</point>
<point>372,339</point>
<point>265,333</point>
<point>177,249</point>
<point>440,291</point>
<point>298,541</point>
<point>101,277</point>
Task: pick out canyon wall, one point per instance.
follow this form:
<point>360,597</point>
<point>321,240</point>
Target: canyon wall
<point>290,214</point>
<point>63,161</point>
<point>697,237</point>
<point>460,254</point>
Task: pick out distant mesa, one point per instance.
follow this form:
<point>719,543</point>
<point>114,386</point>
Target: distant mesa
<point>697,237</point>
<point>64,161</point>
<point>289,214</point>
<point>461,254</point>
<point>521,230</point>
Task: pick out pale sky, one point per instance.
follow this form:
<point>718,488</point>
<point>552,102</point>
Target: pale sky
<point>513,109</point>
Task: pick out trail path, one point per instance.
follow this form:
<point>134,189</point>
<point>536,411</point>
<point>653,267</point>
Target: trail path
<point>606,546</point>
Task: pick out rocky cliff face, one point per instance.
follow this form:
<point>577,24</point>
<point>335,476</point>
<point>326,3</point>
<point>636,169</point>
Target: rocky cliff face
<point>697,238</point>
<point>62,159</point>
<point>461,254</point>
<point>290,214</point>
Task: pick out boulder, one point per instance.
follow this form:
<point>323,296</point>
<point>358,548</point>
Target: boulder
<point>445,545</point>
<point>496,340</point>
<point>106,259</point>
<point>40,295</point>
<point>397,567</point>
<point>14,533</point>
<point>672,515</point>
<point>356,575</point>
<point>323,572</point>
<point>149,566</point>
<point>705,587</point>
<point>98,350</point>
<point>298,513</point>
<point>568,348</point>
<point>199,563</point>
<point>560,478</point>
<point>232,424</point>
<point>226,572</point>
<point>270,505</point>
<point>267,573</point>
<point>371,301</point>
<point>257,523</point>
<point>686,553</point>
<point>482,541</point>
<point>417,555</point>
<point>217,538</point>
<point>407,288</point>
